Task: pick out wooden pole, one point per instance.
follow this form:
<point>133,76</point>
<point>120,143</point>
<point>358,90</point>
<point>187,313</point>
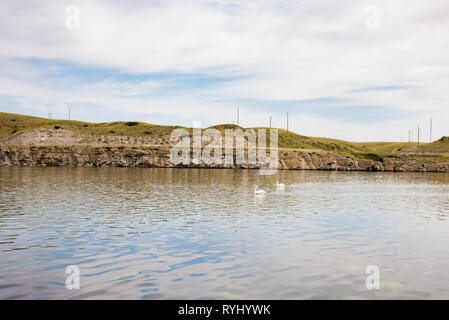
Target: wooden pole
<point>270,122</point>
<point>430,130</point>
<point>418,135</point>
<point>238,116</point>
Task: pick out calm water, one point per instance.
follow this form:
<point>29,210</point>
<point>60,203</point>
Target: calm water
<point>201,234</point>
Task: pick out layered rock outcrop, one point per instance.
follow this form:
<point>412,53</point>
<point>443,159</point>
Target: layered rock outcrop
<point>127,156</point>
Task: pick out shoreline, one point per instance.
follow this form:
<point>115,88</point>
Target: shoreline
<point>159,157</point>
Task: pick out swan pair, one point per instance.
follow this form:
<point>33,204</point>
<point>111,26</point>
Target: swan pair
<point>279,186</point>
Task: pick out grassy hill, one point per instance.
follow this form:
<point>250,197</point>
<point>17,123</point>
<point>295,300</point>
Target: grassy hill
<point>15,124</point>
<point>11,124</point>
<point>439,146</point>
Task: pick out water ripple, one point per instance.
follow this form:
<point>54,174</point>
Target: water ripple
<point>201,234</point>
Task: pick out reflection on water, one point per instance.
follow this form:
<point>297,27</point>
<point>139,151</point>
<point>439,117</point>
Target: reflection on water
<point>202,234</point>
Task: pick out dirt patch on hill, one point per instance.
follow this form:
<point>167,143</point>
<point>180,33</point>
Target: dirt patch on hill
<point>61,136</point>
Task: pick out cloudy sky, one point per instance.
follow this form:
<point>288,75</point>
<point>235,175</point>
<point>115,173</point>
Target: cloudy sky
<point>355,70</point>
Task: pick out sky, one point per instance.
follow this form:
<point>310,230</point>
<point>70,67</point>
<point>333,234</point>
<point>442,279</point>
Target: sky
<point>354,70</point>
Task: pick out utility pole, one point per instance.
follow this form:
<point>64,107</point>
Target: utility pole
<point>69,110</point>
<point>238,116</point>
<point>270,122</point>
<point>287,121</point>
<point>430,130</point>
<point>409,135</point>
<point>418,135</point>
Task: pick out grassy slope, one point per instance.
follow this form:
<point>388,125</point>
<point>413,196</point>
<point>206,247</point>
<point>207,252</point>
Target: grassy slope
<point>439,146</point>
<point>14,124</point>
<point>293,140</point>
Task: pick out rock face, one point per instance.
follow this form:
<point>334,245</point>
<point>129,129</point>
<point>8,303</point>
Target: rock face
<point>127,156</point>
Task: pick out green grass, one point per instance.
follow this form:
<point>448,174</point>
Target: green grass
<point>368,156</point>
<point>15,124</point>
<point>384,148</point>
<point>439,146</point>
<point>369,150</point>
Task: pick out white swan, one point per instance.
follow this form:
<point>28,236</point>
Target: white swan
<point>257,191</point>
<point>280,185</point>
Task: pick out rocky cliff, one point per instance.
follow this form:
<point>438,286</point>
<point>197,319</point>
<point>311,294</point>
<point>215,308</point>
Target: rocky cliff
<point>134,156</point>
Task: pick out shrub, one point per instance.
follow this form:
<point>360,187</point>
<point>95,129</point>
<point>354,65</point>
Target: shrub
<point>131,123</point>
<point>369,156</point>
<point>148,132</point>
<point>58,127</point>
<point>111,131</point>
<point>393,156</point>
<point>86,125</point>
<point>375,157</point>
<point>51,163</point>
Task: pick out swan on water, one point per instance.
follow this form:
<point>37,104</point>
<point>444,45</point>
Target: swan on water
<point>257,191</point>
<point>280,185</point>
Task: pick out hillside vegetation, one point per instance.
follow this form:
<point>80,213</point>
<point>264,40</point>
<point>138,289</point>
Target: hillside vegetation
<point>439,146</point>
<point>14,124</point>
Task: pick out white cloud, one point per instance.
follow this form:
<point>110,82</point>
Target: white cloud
<point>287,50</point>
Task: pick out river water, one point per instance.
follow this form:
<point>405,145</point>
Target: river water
<point>202,234</point>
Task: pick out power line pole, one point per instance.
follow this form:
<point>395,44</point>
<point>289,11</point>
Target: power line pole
<point>270,122</point>
<point>409,135</point>
<point>418,135</point>
<point>430,130</point>
<point>238,116</point>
